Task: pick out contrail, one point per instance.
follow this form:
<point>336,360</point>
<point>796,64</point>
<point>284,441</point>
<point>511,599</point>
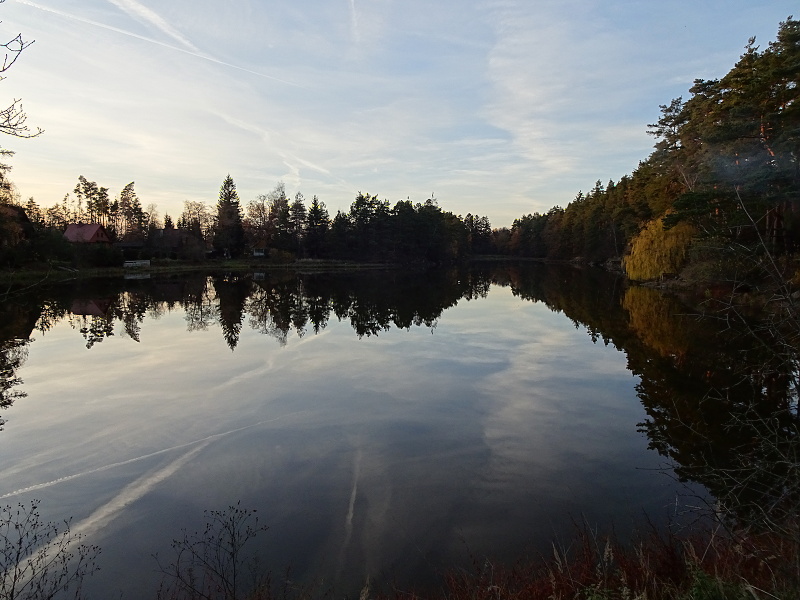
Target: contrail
<point>354,21</point>
<point>351,509</point>
<point>152,41</point>
<point>106,513</point>
<point>204,441</point>
<point>142,13</point>
<point>133,491</point>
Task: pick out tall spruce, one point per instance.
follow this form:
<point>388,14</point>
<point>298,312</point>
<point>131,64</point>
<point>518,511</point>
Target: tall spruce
<point>228,229</point>
<point>297,221</point>
<point>317,225</point>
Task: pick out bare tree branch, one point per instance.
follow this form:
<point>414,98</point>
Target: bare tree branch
<point>13,117</point>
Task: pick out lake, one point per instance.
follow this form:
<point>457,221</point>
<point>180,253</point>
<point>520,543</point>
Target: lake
<point>385,425</point>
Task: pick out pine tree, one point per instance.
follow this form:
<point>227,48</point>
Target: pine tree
<point>130,209</point>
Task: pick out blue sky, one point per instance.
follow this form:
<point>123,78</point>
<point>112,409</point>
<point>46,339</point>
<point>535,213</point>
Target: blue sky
<point>498,107</point>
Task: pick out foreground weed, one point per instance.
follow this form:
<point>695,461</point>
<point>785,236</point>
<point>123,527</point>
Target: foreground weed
<point>41,560</point>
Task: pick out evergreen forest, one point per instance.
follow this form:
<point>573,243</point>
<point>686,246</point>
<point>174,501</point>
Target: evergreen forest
<point>723,180</point>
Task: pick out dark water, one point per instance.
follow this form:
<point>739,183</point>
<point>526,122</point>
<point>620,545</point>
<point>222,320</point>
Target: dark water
<point>385,425</point>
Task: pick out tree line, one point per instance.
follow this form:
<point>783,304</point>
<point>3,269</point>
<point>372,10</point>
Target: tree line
<point>272,225</point>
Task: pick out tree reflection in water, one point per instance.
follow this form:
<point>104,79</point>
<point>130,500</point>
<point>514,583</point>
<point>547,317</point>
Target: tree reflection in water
<point>720,404</point>
<point>17,321</point>
<point>724,409</point>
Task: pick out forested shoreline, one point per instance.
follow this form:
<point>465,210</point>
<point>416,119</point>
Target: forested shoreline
<point>722,182</point>
<point>719,192</point>
<point>273,227</point>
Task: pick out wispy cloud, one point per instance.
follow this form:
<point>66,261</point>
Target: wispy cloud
<point>190,51</point>
<point>501,107</point>
<point>550,74</point>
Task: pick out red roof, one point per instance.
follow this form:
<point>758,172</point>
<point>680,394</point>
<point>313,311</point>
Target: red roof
<point>91,308</point>
<point>86,233</point>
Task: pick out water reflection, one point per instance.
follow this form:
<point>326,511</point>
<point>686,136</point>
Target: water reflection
<point>679,357</point>
<point>275,305</point>
<point>17,321</point>
<point>720,407</point>
<point>720,395</point>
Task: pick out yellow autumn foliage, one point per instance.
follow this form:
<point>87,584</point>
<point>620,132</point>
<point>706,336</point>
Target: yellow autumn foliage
<point>655,320</point>
<point>655,251</point>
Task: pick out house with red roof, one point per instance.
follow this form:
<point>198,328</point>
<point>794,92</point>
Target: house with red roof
<point>87,233</point>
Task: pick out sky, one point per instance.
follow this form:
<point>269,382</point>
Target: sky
<point>495,107</point>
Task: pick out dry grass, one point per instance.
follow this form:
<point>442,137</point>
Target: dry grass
<point>657,567</point>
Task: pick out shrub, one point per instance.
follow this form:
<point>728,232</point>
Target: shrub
<point>41,560</point>
<point>212,564</point>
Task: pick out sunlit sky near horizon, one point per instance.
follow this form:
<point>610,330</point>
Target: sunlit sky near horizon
<point>498,107</point>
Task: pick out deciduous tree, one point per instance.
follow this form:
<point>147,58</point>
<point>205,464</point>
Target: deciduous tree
<point>197,218</point>
<point>13,118</point>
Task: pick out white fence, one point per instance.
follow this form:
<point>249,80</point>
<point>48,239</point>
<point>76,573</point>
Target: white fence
<point>136,264</point>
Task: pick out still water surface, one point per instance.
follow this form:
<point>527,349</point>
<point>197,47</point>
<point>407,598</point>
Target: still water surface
<point>384,425</point>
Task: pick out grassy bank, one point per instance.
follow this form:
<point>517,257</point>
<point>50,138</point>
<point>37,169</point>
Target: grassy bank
<point>216,564</point>
<point>65,272</point>
<point>658,566</point>
<point>709,566</point>
<point>710,560</point>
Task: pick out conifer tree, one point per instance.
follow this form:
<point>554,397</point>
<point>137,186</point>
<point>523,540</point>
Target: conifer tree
<point>317,225</point>
<point>228,229</point>
<point>297,220</point>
